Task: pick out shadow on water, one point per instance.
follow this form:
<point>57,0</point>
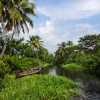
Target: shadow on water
<point>89,86</point>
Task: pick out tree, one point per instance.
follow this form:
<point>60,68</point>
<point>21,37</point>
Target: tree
<point>12,45</point>
<point>44,55</point>
<point>69,44</point>
<point>14,15</point>
<point>15,46</point>
<point>36,43</point>
<point>64,51</point>
<point>89,43</point>
<point>90,46</point>
<point>60,54</point>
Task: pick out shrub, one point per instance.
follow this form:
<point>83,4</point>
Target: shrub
<point>37,62</point>
<point>4,67</point>
<point>24,62</point>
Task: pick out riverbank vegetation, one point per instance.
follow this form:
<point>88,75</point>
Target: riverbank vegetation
<point>38,87</point>
<point>80,58</point>
<point>84,55</point>
<point>73,67</point>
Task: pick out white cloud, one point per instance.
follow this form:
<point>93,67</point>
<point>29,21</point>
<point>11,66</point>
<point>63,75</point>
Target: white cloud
<point>48,32</point>
<point>77,10</point>
<point>82,28</point>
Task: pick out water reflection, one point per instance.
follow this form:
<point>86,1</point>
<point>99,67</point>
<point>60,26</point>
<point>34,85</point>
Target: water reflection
<point>53,71</point>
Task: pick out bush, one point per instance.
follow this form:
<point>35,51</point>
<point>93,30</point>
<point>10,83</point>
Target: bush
<point>24,62</point>
<point>4,67</point>
<point>37,62</point>
<point>91,63</point>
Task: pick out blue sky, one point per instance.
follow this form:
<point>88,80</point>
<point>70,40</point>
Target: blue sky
<point>63,20</point>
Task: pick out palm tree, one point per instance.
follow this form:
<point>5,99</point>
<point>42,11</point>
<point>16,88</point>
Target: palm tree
<point>69,44</point>
<point>14,15</point>
<point>36,43</point>
<point>14,45</point>
<point>62,48</point>
<point>60,54</point>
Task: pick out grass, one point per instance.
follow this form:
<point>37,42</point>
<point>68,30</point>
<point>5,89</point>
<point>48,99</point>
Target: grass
<point>38,87</point>
<point>73,67</point>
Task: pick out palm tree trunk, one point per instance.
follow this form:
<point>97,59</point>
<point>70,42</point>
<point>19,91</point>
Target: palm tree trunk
<point>4,48</point>
<point>5,44</point>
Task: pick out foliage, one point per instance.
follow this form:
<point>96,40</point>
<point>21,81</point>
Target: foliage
<point>1,84</point>
<point>73,67</point>
<point>89,43</point>
<point>38,87</point>
<point>4,67</point>
<point>60,54</point>
<point>63,52</point>
<point>45,56</point>
<point>19,62</point>
<point>23,62</point>
<point>15,14</point>
<point>35,42</point>
<point>14,17</point>
<point>86,53</point>
<point>14,46</point>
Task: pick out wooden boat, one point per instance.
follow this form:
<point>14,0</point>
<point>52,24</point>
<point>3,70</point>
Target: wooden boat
<point>30,71</point>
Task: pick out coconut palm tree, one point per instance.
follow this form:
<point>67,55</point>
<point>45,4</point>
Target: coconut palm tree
<point>69,44</point>
<point>60,54</point>
<point>62,48</point>
<point>14,15</point>
<point>35,42</point>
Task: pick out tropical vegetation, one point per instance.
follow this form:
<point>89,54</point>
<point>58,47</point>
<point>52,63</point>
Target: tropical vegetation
<point>18,55</point>
<point>38,87</point>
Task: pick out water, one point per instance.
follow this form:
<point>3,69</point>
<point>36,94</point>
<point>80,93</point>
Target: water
<point>53,71</point>
<point>89,88</point>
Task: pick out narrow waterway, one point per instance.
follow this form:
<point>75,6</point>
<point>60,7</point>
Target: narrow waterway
<point>89,87</point>
<point>53,71</point>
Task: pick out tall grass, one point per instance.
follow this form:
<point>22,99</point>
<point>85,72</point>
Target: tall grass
<point>38,87</point>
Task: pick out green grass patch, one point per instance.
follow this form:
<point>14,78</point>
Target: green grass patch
<point>73,67</point>
<point>38,87</point>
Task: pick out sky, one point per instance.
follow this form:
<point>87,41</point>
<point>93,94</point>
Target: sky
<point>57,21</point>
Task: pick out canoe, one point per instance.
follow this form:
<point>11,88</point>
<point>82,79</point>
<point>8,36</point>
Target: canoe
<point>25,72</point>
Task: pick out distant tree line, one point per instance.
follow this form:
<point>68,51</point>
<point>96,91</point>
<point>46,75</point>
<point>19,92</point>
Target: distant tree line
<point>85,53</point>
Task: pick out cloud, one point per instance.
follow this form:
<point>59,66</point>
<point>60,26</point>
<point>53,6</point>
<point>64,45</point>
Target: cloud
<point>71,11</point>
<point>49,32</point>
<point>63,21</point>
